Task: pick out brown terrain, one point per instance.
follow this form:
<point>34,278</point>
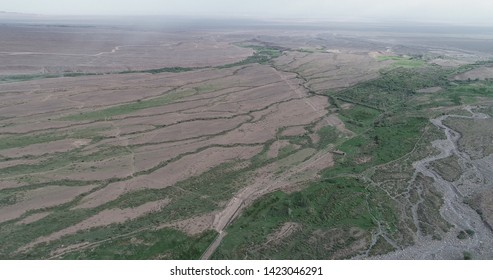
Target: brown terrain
<point>201,119</point>
<point>116,132</point>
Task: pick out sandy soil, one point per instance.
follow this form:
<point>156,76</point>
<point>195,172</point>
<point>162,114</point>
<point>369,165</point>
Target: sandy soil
<point>332,70</point>
<point>107,49</point>
<point>448,62</point>
<point>194,225</point>
<point>170,174</point>
<point>119,167</point>
<point>89,92</point>
<point>293,131</point>
<point>295,112</point>
<point>45,148</point>
<point>188,130</point>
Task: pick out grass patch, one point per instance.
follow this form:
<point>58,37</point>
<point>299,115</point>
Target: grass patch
<point>359,116</point>
<point>402,61</point>
<point>391,57</point>
<point>394,88</point>
<point>9,197</point>
<point>395,140</point>
<point>286,151</point>
<point>327,135</point>
<point>395,137</point>
<point>262,55</point>
<point>293,159</point>
<point>26,140</point>
<point>470,92</point>
<point>338,204</point>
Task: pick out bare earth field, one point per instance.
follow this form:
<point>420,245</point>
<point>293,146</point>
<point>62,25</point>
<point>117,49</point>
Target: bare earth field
<point>153,143</point>
<point>50,49</point>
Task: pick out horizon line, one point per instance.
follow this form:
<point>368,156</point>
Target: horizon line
<point>255,17</point>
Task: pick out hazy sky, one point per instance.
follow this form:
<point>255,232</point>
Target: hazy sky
<point>459,11</point>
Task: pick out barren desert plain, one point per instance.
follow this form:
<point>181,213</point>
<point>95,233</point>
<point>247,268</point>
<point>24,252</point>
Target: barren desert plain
<point>245,140</point>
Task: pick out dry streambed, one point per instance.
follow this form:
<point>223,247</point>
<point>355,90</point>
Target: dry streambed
<point>460,215</point>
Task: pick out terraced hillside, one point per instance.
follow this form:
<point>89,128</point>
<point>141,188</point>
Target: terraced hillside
<point>304,150</point>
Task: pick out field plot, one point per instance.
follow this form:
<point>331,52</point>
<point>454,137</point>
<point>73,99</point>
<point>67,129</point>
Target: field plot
<point>241,144</point>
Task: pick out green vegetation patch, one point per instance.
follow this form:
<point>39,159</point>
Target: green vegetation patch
<point>470,92</point>
<point>294,159</point>
<point>327,135</point>
<point>358,118</point>
<point>389,141</point>
<point>394,87</point>
<point>286,151</point>
<point>323,206</point>
<point>262,55</point>
<point>9,197</point>
<point>26,140</point>
<point>395,140</point>
<point>403,61</point>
